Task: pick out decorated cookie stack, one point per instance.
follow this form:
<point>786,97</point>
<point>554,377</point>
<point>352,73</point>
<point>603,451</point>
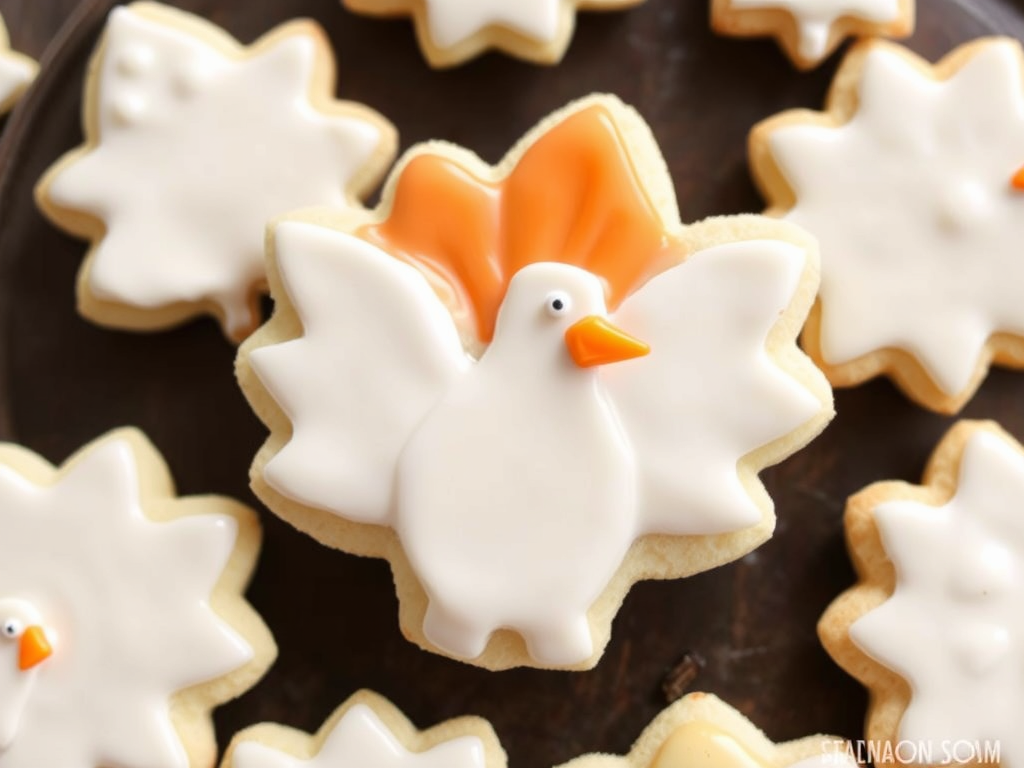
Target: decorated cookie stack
<point>526,385</point>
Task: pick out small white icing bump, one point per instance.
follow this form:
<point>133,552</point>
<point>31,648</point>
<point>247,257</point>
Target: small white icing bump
<point>960,646</point>
<point>980,647</point>
<point>408,440</point>
<point>124,603</point>
<point>916,183</point>
<point>229,137</point>
<point>128,109</point>
<point>360,739</point>
<point>814,18</point>
<point>136,60</point>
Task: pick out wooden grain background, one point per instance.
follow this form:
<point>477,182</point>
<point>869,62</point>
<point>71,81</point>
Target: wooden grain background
<point>63,381</point>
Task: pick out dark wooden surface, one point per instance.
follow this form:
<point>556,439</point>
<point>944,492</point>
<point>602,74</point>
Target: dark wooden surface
<point>63,381</point>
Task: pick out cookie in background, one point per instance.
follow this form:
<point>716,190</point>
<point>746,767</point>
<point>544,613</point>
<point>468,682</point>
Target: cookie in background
<point>809,31</point>
<point>368,730</point>
<point>122,621</point>
<point>701,731</point>
<point>933,626</point>
<point>193,142</point>
<point>17,71</point>
<point>910,179</point>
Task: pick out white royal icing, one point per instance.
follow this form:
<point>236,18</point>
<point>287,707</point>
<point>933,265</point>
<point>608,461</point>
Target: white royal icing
<point>814,18</point>
<point>953,628</point>
<point>16,70</point>
<point>360,739</point>
<point>196,151</point>
<point>450,22</point>
<point>911,200</point>
<point>124,602</point>
<point>517,482</point>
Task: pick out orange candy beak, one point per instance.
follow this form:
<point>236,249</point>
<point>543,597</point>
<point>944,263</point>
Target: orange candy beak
<point>1017,180</point>
<point>595,341</point>
<point>34,648</point>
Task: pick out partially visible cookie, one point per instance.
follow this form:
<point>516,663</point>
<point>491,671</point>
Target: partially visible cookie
<point>934,626</point>
<point>367,731</point>
<point>910,182</point>
<point>16,71</point>
<point>810,30</point>
<point>193,142</point>
<point>122,622</point>
<point>529,385</point>
<point>451,32</point>
<point>700,731</point>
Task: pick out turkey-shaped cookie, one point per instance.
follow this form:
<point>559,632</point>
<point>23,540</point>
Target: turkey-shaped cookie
<point>193,142</point>
<point>701,731</point>
<point>529,386</point>
<point>368,731</point>
<point>121,618</point>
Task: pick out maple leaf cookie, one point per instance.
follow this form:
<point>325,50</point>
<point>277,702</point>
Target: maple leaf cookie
<point>367,731</point>
<point>529,386</point>
<point>121,618</point>
<point>452,31</point>
<point>700,731</point>
<point>17,71</point>
<point>934,625</point>
<point>909,181</point>
<point>194,142</point>
<point>810,30</point>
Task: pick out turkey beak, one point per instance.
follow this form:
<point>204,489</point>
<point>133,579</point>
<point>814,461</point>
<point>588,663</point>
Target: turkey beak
<point>595,341</point>
<point>34,648</point>
<point>1017,180</point>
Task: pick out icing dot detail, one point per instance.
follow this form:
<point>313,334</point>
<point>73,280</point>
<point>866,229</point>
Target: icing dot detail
<point>136,60</point>
<point>128,109</point>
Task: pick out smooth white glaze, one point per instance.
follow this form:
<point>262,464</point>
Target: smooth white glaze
<point>953,628</point>
<point>814,18</point>
<point>829,760</point>
<point>517,483</point>
<point>197,151</point>
<point>450,22</point>
<point>16,71</point>
<point>920,229</point>
<point>125,604</point>
<point>360,739</point>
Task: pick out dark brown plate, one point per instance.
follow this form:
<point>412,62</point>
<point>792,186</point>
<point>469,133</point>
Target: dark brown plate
<point>63,381</point>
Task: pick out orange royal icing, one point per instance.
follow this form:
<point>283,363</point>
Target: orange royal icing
<point>573,197</point>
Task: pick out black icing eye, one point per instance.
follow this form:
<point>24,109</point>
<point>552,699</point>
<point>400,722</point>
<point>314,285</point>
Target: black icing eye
<point>12,628</point>
<point>558,303</point>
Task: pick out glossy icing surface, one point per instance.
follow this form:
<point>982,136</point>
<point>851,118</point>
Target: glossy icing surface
<point>452,21</point>
<point>917,183</point>
<point>360,739</point>
<point>953,627</point>
<point>16,71</point>
<point>123,600</point>
<point>227,142</point>
<point>468,460</point>
<point>814,18</point>
<point>698,744</point>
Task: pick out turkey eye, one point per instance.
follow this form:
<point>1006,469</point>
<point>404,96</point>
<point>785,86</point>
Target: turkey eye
<point>558,303</point>
<point>12,628</point>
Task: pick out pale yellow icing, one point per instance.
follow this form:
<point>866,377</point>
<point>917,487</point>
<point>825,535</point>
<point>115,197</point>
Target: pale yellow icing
<point>704,745</point>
